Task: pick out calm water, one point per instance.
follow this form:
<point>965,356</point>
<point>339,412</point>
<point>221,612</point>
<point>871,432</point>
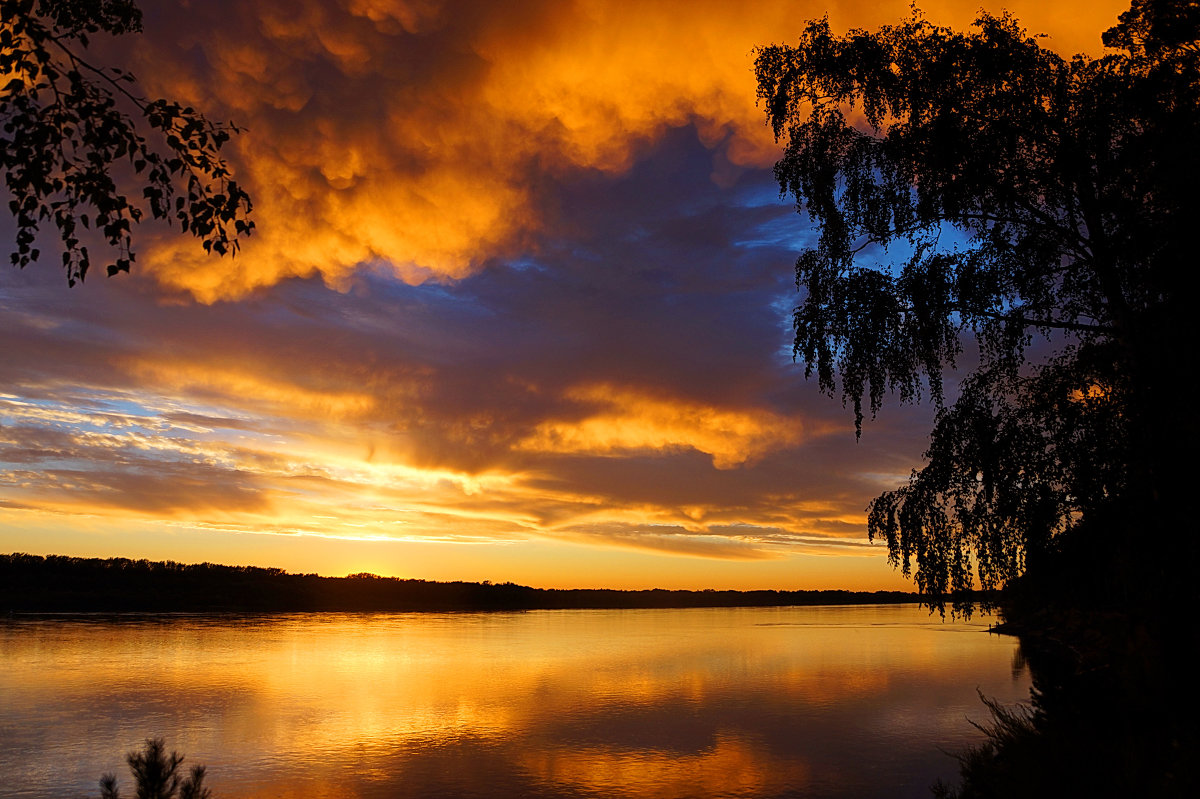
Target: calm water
<point>812,702</point>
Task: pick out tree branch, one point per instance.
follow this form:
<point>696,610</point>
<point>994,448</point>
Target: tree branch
<point>1058,324</point>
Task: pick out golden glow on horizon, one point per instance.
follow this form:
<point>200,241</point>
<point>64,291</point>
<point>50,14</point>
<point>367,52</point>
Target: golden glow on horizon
<point>289,465</point>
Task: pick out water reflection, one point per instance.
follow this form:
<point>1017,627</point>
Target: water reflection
<point>726,702</point>
<point>731,766</point>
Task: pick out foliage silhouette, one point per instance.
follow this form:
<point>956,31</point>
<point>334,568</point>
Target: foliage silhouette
<point>71,155</point>
<point>61,584</point>
<point>1011,735</point>
<point>1108,717</point>
<point>1041,204</point>
<point>156,775</point>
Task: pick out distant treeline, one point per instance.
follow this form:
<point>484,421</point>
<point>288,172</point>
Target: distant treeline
<point>61,584</point>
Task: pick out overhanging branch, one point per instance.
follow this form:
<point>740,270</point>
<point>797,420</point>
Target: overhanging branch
<point>1024,321</point>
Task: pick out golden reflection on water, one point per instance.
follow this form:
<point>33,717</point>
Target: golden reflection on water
<point>730,702</point>
<point>733,766</point>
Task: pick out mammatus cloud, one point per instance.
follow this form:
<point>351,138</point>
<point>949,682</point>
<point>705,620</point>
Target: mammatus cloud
<point>420,134</point>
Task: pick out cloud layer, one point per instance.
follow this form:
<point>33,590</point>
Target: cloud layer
<point>522,277</point>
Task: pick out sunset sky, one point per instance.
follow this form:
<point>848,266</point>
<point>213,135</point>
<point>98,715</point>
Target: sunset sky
<point>518,308</point>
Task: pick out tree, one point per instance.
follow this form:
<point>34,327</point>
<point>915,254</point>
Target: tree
<point>1040,204</point>
<point>156,775</point>
<point>68,149</point>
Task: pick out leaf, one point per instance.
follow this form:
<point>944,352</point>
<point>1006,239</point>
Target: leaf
<point>67,122</point>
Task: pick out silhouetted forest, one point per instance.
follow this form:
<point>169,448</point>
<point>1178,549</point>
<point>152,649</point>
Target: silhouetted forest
<point>61,584</point>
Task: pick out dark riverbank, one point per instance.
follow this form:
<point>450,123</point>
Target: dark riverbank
<point>60,584</point>
<point>1111,711</point>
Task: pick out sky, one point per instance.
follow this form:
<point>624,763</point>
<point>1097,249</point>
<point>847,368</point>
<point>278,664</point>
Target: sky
<point>518,308</point>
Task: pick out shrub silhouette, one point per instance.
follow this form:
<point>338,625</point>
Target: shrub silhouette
<point>157,775</point>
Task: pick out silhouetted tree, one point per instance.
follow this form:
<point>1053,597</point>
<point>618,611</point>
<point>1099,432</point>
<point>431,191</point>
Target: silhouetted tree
<point>156,775</point>
<point>71,155</point>
<point>1040,205</point>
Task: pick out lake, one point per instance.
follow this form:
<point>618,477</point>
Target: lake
<point>845,701</point>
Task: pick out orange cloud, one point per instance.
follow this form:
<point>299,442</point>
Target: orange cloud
<point>414,133</point>
<point>625,420</point>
